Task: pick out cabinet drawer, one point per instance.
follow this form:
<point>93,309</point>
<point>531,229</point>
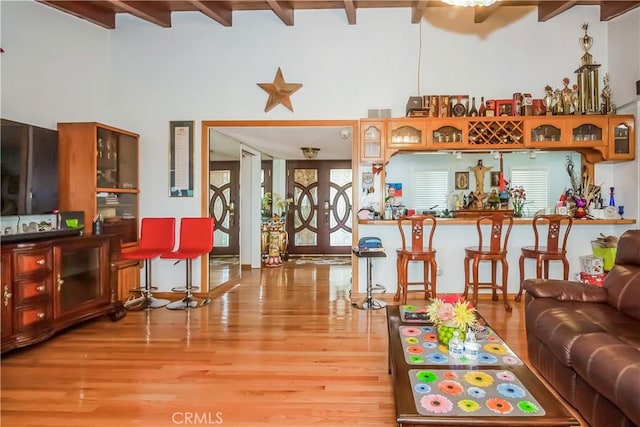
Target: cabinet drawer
<point>26,289</point>
<point>30,316</point>
<point>32,261</point>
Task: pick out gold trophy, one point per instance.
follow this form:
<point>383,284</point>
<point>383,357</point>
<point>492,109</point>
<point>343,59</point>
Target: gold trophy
<point>588,92</point>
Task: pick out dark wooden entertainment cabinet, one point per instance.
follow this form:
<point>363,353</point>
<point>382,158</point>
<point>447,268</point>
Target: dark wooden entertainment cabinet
<point>52,283</point>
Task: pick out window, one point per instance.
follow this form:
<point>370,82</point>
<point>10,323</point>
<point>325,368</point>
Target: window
<point>535,184</point>
<point>429,188</point>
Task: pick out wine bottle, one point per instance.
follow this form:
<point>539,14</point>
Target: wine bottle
<point>473,112</point>
<point>483,109</point>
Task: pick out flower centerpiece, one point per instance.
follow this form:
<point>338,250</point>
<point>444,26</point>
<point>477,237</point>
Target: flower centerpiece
<point>451,313</point>
<point>518,197</point>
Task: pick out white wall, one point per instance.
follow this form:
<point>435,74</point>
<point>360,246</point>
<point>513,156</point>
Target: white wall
<point>54,68</point>
<point>140,76</point>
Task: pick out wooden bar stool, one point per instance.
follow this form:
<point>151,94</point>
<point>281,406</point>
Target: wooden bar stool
<point>416,251</point>
<point>496,252</point>
<point>196,239</point>
<point>557,226</point>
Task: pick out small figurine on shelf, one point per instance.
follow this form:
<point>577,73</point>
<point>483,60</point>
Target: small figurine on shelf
<point>608,107</point>
<point>548,99</point>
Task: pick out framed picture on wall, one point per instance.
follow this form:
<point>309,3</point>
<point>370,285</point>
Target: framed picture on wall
<point>495,179</point>
<point>181,159</point>
<point>462,180</point>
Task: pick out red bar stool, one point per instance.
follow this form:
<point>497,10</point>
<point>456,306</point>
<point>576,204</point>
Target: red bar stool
<point>555,249</point>
<point>416,251</point>
<point>196,239</point>
<point>495,252</point>
<point>157,236</point>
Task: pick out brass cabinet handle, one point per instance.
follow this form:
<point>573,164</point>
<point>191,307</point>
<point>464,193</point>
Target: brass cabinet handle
<point>60,282</point>
<point>41,315</point>
<point>40,288</point>
<point>6,295</point>
<point>41,262</point>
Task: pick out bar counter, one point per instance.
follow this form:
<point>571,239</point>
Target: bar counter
<point>452,235</point>
<point>516,221</point>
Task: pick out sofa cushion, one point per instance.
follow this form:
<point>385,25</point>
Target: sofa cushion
<point>559,324</point>
<point>611,367</point>
<point>623,289</point>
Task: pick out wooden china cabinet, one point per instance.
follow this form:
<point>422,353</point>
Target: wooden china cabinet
<point>99,175</point>
<point>599,137</point>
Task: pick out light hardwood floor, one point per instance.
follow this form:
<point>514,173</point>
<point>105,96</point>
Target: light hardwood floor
<point>282,348</point>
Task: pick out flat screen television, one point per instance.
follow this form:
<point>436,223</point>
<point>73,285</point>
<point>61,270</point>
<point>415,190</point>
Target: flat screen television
<point>29,157</point>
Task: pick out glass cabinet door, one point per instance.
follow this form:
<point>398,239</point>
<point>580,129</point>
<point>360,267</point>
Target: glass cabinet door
<point>406,135</point>
<point>371,142</point>
<point>621,138</point>
<point>117,160</point>
<point>119,212</point>
<point>588,131</point>
<point>79,279</point>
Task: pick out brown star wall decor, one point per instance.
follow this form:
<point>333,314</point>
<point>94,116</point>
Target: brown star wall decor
<point>279,91</point>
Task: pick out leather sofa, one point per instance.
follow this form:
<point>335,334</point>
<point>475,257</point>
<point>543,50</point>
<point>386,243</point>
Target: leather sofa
<point>585,340</point>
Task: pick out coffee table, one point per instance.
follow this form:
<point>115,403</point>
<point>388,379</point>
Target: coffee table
<point>550,410</point>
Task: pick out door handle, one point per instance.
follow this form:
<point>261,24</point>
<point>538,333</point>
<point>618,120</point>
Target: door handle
<point>327,209</point>
<point>232,212</point>
<point>6,295</point>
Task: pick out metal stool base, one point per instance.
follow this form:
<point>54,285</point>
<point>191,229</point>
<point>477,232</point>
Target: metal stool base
<point>369,304</point>
<point>147,303</point>
<point>187,303</point>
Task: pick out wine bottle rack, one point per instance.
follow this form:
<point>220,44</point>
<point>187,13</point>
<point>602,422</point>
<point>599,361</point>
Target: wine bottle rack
<point>496,132</point>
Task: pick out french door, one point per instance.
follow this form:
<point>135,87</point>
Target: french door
<point>224,196</point>
<point>319,219</point>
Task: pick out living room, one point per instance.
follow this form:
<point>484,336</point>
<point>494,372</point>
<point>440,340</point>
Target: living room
<point>139,77</point>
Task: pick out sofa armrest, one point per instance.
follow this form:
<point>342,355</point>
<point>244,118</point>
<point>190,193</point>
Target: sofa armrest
<point>564,290</point>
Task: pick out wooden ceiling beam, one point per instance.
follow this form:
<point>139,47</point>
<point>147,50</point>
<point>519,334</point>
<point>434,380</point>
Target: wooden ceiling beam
<point>147,11</point>
<point>282,10</point>
<point>101,17</point>
<point>549,9</point>
<point>612,9</point>
<point>218,11</point>
<point>350,9</point>
<point>417,11</point>
<point>482,13</point>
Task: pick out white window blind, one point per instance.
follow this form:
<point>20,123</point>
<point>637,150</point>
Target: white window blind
<point>535,184</point>
<point>429,187</point>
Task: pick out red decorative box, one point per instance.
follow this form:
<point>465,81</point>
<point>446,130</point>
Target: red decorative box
<point>592,279</point>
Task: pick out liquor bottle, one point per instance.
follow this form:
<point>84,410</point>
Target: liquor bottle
<point>483,109</point>
<point>456,347</point>
<point>471,346</point>
<point>473,112</point>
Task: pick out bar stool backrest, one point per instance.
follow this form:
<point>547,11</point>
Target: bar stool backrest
<point>196,235</point>
<point>157,234</point>
<point>555,225</point>
<point>418,224</point>
<point>497,240</point>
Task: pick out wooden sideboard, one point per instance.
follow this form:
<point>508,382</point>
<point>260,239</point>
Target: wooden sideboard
<point>51,284</point>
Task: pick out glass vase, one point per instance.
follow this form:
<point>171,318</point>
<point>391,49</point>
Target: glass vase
<point>445,333</point>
